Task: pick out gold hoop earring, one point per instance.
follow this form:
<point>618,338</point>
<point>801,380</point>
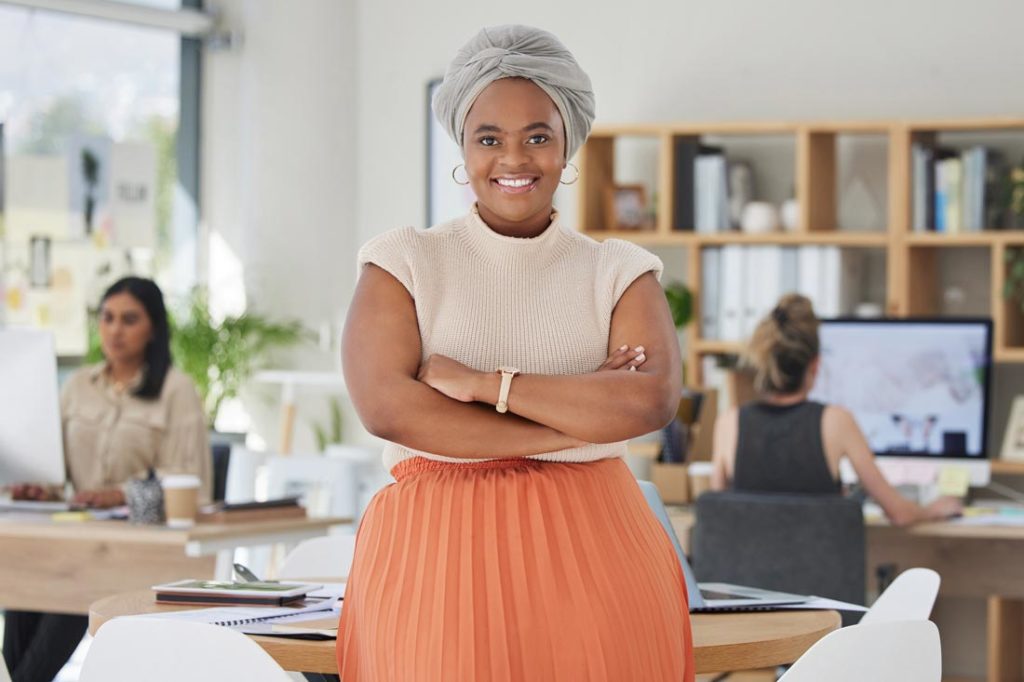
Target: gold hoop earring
<point>456,180</point>
<point>575,178</point>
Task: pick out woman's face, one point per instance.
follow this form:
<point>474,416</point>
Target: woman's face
<point>515,152</point>
<point>125,329</point>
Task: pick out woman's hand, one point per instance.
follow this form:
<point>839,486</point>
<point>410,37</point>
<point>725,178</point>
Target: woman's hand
<point>944,507</point>
<point>38,492</point>
<point>100,499</point>
<point>624,358</point>
<point>453,378</point>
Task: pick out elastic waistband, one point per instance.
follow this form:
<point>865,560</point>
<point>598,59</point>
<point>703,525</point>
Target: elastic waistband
<point>419,465</point>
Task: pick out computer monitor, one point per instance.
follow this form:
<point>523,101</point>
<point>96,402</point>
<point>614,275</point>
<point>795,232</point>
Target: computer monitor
<point>31,442</point>
<point>918,389</point>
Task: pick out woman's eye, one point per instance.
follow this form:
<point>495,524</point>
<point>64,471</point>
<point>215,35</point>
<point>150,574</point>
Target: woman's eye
<point>488,141</point>
<point>538,139</point>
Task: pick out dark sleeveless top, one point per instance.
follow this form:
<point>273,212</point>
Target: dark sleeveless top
<point>779,450</point>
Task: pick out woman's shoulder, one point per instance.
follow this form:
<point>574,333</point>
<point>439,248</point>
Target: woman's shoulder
<point>176,383</point>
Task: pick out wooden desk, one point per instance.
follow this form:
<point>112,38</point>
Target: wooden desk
<point>974,561</point>
<point>63,567</point>
<point>722,642</point>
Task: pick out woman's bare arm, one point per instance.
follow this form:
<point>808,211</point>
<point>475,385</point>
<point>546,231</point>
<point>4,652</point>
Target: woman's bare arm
<point>381,357</point>
<point>842,429</point>
<point>598,407</point>
<point>723,449</point>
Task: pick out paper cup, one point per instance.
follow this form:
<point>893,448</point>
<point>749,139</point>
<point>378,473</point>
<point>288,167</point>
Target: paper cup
<point>181,499</point>
<point>700,479</point>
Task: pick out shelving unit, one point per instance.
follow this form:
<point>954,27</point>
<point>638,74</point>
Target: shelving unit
<point>911,257</point>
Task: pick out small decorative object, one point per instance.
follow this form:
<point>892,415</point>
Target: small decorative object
<point>1013,439</point>
<point>741,190</point>
<point>790,214</point>
<point>145,499</point>
<point>626,207</point>
<point>760,217</point>
<point>868,309</point>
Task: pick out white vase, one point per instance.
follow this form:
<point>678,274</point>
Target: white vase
<point>760,217</point>
<point>790,215</point>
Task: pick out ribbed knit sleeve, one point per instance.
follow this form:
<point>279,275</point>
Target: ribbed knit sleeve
<point>393,251</point>
<point>620,263</point>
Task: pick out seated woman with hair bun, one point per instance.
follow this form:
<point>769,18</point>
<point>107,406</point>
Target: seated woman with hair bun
<point>784,443</point>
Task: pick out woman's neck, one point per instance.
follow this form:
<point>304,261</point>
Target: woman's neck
<point>785,398</point>
<point>124,371</point>
<point>528,228</point>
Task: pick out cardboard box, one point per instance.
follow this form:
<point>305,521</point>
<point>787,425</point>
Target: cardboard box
<point>672,482</point>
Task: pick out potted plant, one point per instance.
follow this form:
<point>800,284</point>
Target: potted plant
<point>221,356</point>
<point>680,304</point>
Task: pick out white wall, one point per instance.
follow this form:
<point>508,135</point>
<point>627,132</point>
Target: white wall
<point>279,173</point>
<point>658,60</point>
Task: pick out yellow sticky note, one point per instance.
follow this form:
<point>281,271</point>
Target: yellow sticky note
<point>71,516</point>
<point>953,481</point>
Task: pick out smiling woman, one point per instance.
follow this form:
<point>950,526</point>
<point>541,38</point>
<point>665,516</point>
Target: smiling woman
<point>507,358</point>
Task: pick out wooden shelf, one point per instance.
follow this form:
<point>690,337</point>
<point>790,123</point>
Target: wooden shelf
<point>984,238</point>
<point>824,237</point>
<point>912,259</point>
<point>709,347</point>
<point>645,237</point>
<point>851,238</point>
<point>1007,468</point>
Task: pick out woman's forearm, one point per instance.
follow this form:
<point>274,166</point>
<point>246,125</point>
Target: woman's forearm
<point>602,407</point>
<point>418,417</point>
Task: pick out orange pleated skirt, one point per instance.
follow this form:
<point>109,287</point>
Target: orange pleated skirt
<point>514,570</point>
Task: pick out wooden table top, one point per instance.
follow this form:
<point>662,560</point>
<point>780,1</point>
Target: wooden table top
<point>41,526</point>
<point>722,641</point>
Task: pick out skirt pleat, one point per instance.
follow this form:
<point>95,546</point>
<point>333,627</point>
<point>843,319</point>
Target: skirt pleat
<point>514,570</point>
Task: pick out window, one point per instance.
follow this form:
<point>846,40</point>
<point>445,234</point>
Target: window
<point>89,125</point>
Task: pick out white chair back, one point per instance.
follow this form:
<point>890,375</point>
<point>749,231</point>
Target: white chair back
<point>243,468</point>
<point>159,650</point>
<point>325,557</point>
<point>897,651</point>
<point>910,597</point>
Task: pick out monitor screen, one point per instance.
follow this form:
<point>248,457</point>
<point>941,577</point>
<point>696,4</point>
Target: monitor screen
<point>915,387</point>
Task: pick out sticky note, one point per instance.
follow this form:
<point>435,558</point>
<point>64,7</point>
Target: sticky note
<point>953,481</point>
<point>71,516</point>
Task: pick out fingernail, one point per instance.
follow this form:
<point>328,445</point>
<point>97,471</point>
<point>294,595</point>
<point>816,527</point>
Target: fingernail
<point>623,348</point>
<point>640,358</point>
<point>639,349</point>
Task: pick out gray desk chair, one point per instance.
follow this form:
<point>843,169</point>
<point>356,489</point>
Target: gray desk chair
<point>806,544</point>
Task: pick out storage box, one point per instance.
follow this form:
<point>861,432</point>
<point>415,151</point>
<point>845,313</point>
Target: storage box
<point>672,482</point>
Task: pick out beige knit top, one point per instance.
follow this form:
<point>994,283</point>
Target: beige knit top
<point>543,304</point>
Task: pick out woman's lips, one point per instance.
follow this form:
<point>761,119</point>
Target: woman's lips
<point>515,185</point>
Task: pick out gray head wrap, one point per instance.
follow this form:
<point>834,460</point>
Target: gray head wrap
<point>516,52</point>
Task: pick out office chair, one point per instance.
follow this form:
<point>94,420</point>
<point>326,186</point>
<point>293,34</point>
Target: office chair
<point>805,544</point>
<point>910,597</point>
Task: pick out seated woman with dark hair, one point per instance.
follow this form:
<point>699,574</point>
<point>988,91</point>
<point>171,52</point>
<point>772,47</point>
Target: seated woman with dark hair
<point>132,413</point>
<point>783,442</point>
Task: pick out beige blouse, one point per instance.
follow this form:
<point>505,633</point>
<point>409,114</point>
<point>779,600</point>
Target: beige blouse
<point>111,436</point>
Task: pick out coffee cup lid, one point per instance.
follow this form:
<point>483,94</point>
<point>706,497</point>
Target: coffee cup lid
<point>180,481</point>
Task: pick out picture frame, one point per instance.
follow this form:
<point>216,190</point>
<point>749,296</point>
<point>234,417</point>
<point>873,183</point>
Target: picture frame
<point>1013,438</point>
<point>626,208</point>
<point>446,199</point>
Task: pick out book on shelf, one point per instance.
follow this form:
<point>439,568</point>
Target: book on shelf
<point>264,593</point>
<point>686,149</point>
<point>957,191</point>
<point>740,285</point>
